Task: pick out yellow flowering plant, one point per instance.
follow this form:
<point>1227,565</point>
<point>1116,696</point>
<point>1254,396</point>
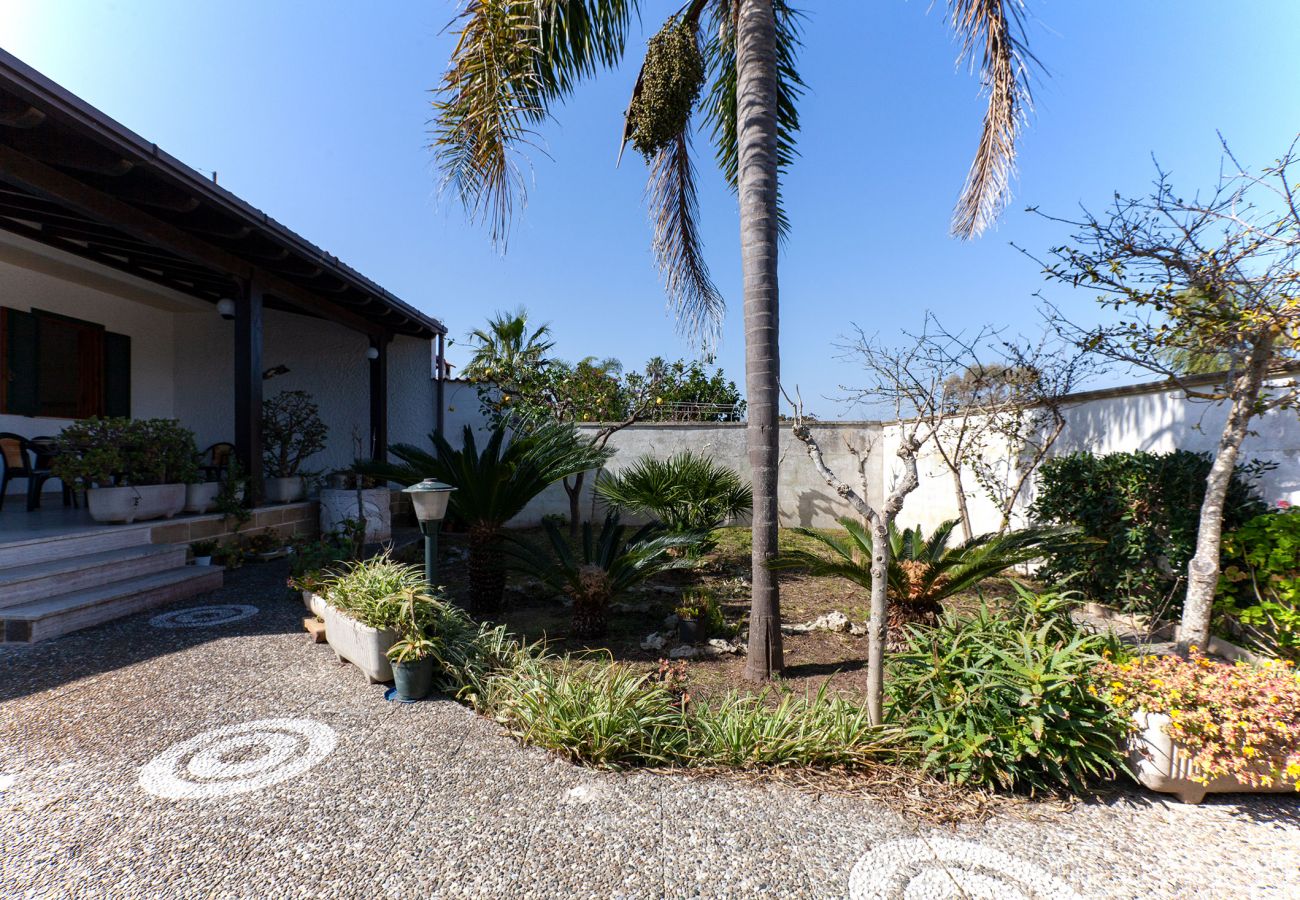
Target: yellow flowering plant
<point>1238,720</point>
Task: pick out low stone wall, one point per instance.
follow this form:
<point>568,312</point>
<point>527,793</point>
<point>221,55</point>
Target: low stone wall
<point>288,519</point>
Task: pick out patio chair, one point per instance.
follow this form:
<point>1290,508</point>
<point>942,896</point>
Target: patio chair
<point>29,459</point>
<point>42,450</point>
<point>215,461</point>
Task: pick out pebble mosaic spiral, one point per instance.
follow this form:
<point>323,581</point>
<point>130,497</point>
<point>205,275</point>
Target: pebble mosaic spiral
<point>204,616</point>
<point>237,759</point>
<point>941,867</point>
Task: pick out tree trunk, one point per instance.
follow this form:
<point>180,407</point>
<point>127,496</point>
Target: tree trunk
<point>757,188</point>
<point>1203,569</point>
<point>962,509</point>
<point>575,504</point>
<point>877,624</point>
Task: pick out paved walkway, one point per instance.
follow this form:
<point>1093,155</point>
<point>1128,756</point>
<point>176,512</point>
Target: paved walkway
<point>240,760</point>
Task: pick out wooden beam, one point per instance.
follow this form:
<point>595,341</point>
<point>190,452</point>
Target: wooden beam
<point>31,175</point>
<point>248,386</point>
<point>379,400</point>
<point>16,113</point>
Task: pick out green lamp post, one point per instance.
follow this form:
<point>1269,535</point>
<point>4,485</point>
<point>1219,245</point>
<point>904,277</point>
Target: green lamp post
<point>429,498</point>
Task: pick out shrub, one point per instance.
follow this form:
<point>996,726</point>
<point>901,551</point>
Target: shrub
<point>687,492</point>
<point>370,591</point>
<point>1233,720</point>
<point>292,430</point>
<point>1007,700</point>
<point>107,452</point>
<point>1258,597</point>
<point>1143,511</point>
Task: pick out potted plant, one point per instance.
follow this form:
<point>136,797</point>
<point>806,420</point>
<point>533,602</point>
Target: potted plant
<point>292,431</point>
<point>698,617</point>
<point>265,546</point>
<point>364,611</point>
<point>412,655</point>
<point>131,468</point>
<point>354,497</point>
<point>202,552</point>
<point>1205,727</point>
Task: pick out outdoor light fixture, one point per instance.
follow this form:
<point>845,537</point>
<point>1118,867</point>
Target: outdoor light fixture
<point>226,307</point>
<point>429,498</point>
<point>372,353</point>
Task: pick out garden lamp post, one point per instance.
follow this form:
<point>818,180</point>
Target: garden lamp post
<point>429,498</point>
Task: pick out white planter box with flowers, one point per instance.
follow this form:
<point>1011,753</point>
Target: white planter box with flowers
<point>1162,764</point>
<point>361,645</point>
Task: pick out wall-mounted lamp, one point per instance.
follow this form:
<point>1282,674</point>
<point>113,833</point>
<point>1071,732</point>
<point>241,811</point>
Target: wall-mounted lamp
<point>372,353</point>
<point>226,307</point>
<point>274,371</point>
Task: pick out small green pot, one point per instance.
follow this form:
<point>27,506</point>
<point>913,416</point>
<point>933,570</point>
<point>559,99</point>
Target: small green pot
<point>413,680</point>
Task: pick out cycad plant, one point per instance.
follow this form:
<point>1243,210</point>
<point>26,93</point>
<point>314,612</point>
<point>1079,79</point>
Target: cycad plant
<point>923,571</point>
<point>493,485</point>
<point>687,492</point>
<point>602,568</point>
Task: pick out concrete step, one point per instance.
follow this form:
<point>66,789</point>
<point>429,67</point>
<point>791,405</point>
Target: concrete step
<point>22,584</point>
<point>43,548</point>
<point>50,617</point>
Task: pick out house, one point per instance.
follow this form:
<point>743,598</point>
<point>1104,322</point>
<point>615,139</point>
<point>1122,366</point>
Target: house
<point>132,285</point>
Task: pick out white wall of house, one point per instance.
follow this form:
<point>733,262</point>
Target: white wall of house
<point>182,355</point>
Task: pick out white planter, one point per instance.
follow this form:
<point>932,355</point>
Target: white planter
<point>359,644</point>
<point>337,505</point>
<point>130,504</point>
<point>285,490</point>
<point>1162,764</point>
<point>199,498</point>
<point>314,602</point>
<point>203,560</point>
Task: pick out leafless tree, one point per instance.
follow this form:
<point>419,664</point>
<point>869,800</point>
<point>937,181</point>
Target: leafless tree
<point>1217,275</point>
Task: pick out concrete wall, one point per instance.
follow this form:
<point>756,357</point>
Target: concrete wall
<point>1147,417</point>
<point>182,355</point>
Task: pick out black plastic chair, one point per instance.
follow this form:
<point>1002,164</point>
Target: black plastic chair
<point>215,461</point>
<point>42,450</point>
<point>29,459</point>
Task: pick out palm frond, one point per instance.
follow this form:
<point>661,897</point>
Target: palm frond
<point>513,60</point>
<point>674,208</point>
<point>992,31</point>
<point>720,104</point>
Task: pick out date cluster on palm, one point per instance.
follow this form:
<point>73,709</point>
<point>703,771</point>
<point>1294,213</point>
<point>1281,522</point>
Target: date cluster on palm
<point>670,84</point>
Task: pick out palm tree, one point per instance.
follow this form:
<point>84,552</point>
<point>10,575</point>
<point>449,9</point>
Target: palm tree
<point>607,566</point>
<point>516,60</point>
<point>507,346</point>
<point>924,572</point>
<point>493,485</point>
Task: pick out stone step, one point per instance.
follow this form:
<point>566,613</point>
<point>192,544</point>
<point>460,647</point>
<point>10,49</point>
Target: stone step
<point>22,584</point>
<point>50,617</point>
<point>43,548</point>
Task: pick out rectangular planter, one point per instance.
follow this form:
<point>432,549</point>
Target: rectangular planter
<point>1162,764</point>
<point>132,503</point>
<point>199,498</point>
<point>359,644</point>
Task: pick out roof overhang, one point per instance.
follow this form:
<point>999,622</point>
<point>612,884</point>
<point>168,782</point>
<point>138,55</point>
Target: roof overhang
<point>73,178</point>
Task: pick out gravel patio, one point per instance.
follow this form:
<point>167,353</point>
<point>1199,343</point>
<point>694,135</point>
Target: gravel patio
<point>187,756</point>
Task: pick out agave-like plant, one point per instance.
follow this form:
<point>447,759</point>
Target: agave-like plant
<point>687,492</point>
<point>607,566</point>
<point>493,485</point>
<point>924,571</point>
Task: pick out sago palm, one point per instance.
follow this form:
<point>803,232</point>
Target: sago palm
<point>924,571</point>
<point>515,61</point>
<point>605,566</point>
<point>493,485</point>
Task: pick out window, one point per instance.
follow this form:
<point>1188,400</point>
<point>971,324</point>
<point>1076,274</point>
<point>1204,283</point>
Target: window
<point>62,367</point>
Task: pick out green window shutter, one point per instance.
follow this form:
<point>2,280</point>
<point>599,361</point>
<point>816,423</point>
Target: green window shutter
<point>117,374</point>
<point>21,332</point>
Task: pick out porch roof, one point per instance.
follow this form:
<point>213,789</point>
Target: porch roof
<point>75,179</point>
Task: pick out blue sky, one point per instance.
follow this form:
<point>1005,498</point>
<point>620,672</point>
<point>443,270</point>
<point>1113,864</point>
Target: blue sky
<point>317,113</point>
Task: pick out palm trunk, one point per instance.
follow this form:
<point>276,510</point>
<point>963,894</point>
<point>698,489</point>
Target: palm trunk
<point>1203,569</point>
<point>487,572</point>
<point>756,131</point>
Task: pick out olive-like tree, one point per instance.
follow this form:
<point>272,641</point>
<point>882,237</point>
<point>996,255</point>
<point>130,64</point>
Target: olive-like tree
<point>516,60</point>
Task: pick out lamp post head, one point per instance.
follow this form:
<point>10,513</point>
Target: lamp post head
<point>429,498</point>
